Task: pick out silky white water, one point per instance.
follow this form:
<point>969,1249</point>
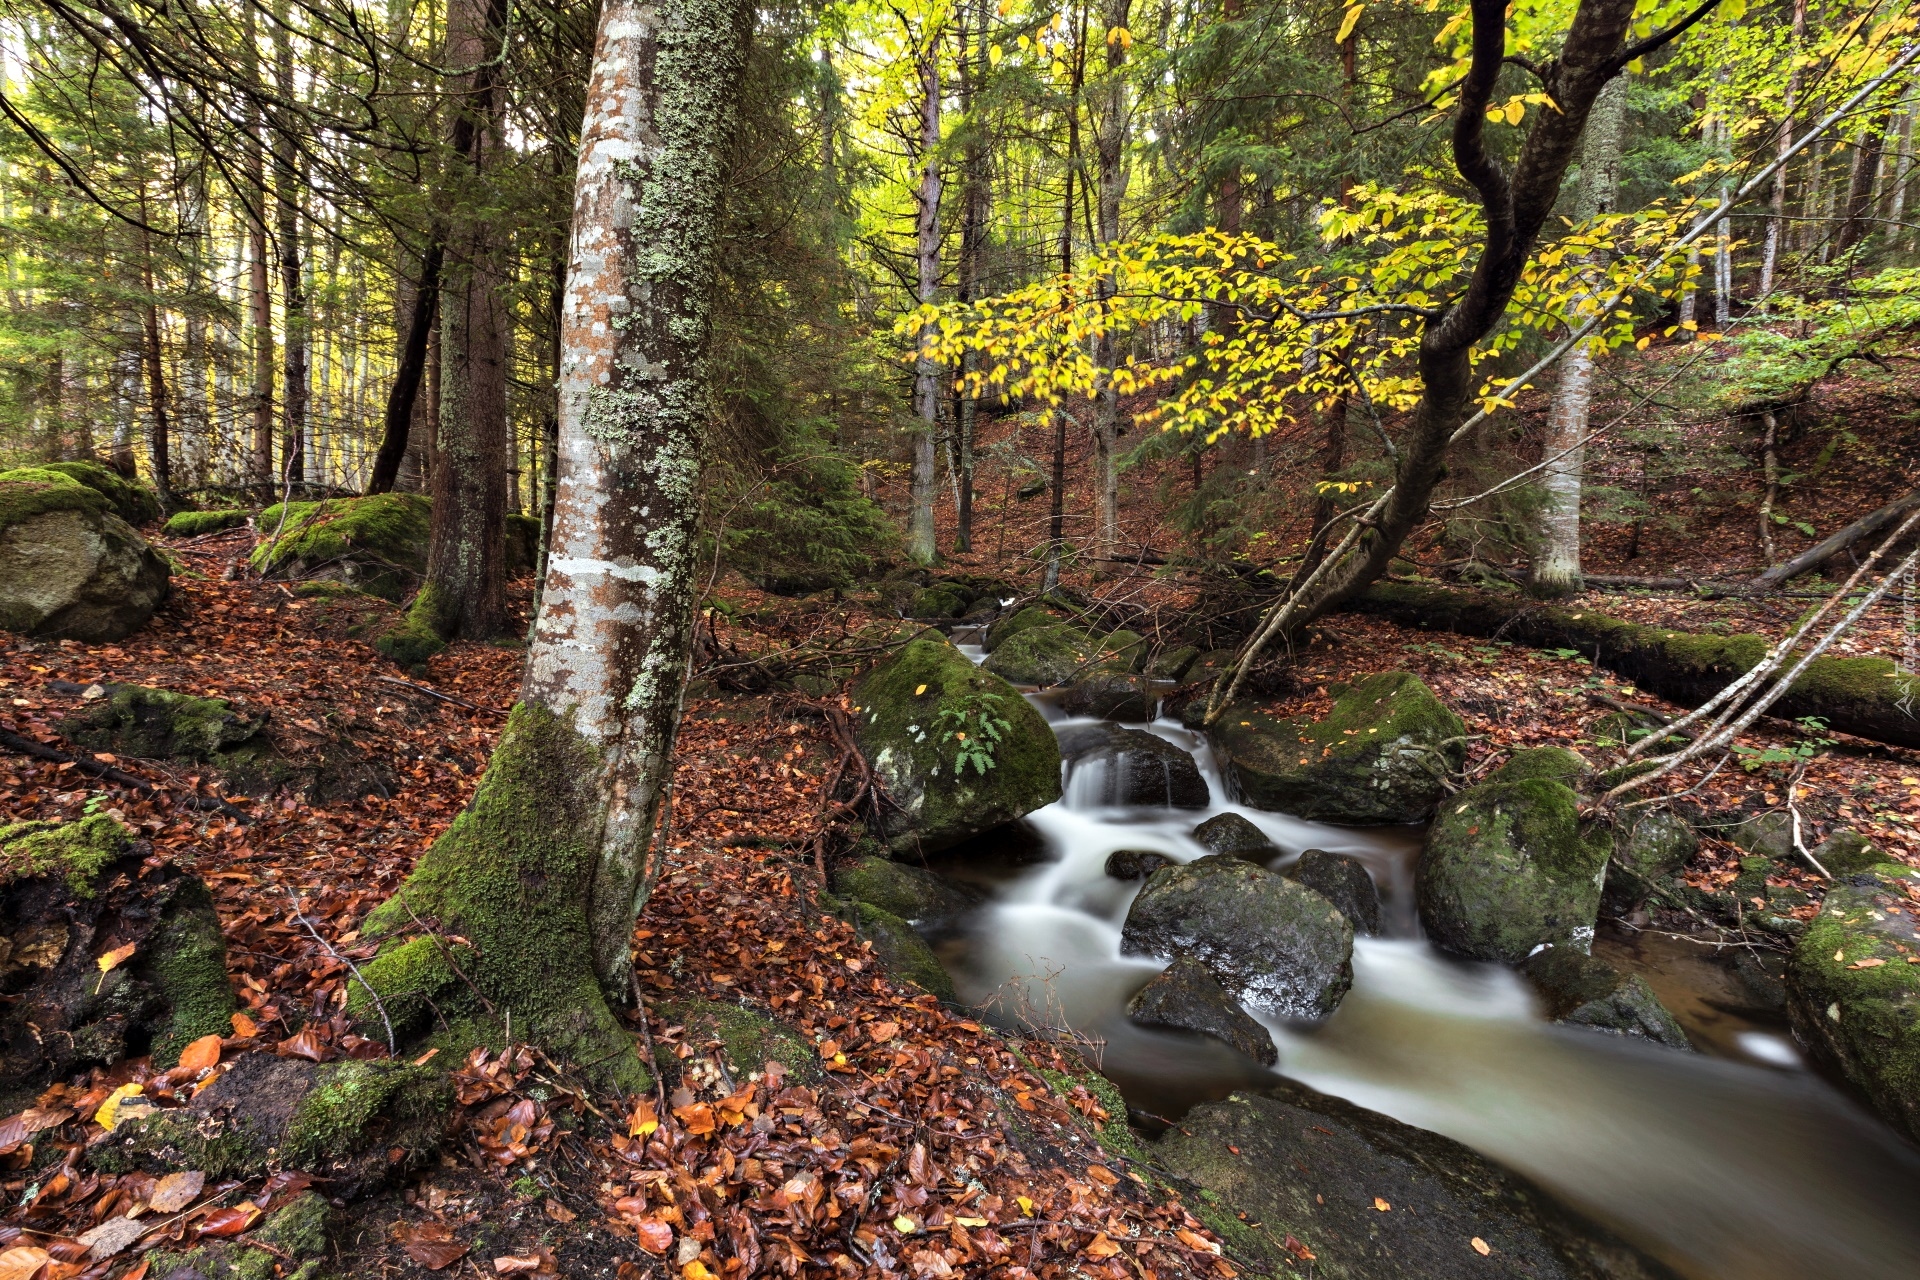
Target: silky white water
<point>1731,1168</point>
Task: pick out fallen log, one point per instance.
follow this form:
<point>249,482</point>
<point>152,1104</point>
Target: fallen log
<point>1859,531</point>
<point>1867,697</point>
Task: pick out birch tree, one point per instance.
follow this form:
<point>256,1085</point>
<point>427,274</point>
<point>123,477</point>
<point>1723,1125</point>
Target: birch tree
<point>926,243</point>
<point>535,887</point>
<point>1110,149</point>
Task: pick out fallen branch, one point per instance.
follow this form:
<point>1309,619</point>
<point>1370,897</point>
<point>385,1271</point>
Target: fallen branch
<point>1859,531</point>
<point>435,693</point>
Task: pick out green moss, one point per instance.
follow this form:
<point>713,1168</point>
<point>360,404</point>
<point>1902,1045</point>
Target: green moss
<point>76,850</point>
<point>513,875</point>
<point>912,893</point>
<point>523,543</point>
<point>1556,764</point>
<point>905,953</point>
<point>348,1096</point>
<point>422,632</point>
<point>1013,624</point>
<point>187,959</point>
<point>748,1038</point>
<point>408,976</point>
<point>191,524</point>
<point>158,724</point>
<point>378,542</point>
<point>26,492</point>
<point>130,500</point>
<point>1060,654</point>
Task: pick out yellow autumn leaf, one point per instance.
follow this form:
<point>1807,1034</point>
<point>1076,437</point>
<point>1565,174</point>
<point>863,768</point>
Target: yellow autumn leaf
<point>109,1113</point>
<point>1515,111</point>
<point>1348,23</point>
<point>905,1226</point>
<point>920,690</point>
<point>1026,1206</point>
<point>114,958</point>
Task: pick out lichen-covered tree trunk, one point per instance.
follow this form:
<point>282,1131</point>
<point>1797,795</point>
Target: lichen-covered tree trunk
<point>1110,147</point>
<point>547,868</point>
<point>1556,560</point>
<point>926,374</point>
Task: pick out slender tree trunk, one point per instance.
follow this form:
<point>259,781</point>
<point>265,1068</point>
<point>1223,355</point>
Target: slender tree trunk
<point>1783,143</point>
<point>288,184</point>
<point>1902,170</point>
<point>1110,146</point>
<point>126,394</point>
<point>926,375</point>
<point>159,455</point>
<point>976,203</point>
<point>1770,467</point>
<point>260,300</point>
<point>547,868</point>
<point>409,372</point>
<point>1723,244</point>
<point>1860,180</point>
<point>1057,511</point>
<point>1556,559</point>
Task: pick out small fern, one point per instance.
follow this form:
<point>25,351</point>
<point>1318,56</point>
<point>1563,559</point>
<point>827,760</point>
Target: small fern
<point>975,726</point>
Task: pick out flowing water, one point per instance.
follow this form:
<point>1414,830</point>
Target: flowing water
<point>1737,1163</point>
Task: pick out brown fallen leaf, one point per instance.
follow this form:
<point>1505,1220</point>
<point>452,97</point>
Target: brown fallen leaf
<point>138,1271</point>
<point>881,1032</point>
<point>244,1028</point>
<point>13,1132</point>
<point>1381,1205</point>
<point>1101,1247</point>
<point>201,1054</point>
<point>176,1191</point>
<point>1102,1175</point>
<point>431,1244</point>
<point>655,1236</point>
<point>21,1263</point>
<point>111,1236</point>
<point>230,1222</point>
<point>559,1212</point>
<point>697,1118</point>
<point>514,1266</point>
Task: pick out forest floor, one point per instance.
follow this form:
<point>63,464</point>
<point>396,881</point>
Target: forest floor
<point>920,1140</point>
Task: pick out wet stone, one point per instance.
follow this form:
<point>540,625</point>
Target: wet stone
<point>1187,997</point>
<point>1135,864</point>
<point>1585,991</point>
<point>1235,836</point>
<point>1111,765</point>
<point>1345,883</point>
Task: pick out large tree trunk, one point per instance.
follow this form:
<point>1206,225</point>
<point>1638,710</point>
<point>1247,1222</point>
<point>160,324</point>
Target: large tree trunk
<point>1860,182</point>
<point>547,868</point>
<point>1556,559</point>
<point>926,374</point>
<point>1110,147</point>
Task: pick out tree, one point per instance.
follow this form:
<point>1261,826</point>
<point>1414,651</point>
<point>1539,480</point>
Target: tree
<point>1110,149</point>
<point>545,871</point>
<point>926,243</point>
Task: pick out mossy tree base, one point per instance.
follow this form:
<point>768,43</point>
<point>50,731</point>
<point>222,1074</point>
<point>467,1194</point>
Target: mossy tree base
<point>494,923</point>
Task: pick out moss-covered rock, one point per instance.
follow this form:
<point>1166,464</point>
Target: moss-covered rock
<point>1171,663</point>
<point>129,499</point>
<point>908,712</point>
<point>1508,867</point>
<point>1556,764</point>
<point>1273,943</point>
<point>915,894</point>
<point>70,569</point>
<point>1846,853</point>
<point>1381,755</point>
<point>942,600</point>
<point>904,953</point>
<point>1057,654</point>
<point>377,543</point>
<point>1585,991</point>
<point>523,543</point>
<point>1009,625</point>
<point>1853,996</point>
<point>1246,1155</point>
<point>1186,997</point>
<point>1112,695</point>
<point>158,724</point>
<point>69,894</point>
<point>192,524</point>
<point>748,1038</point>
<point>1107,764</point>
<point>1649,845</point>
<point>290,1244</point>
<point>1343,881</point>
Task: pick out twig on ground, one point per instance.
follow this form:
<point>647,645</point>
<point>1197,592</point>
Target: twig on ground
<point>435,693</point>
<point>351,966</point>
<point>26,746</point>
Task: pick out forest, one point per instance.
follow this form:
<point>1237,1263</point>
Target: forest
<point>1174,639</point>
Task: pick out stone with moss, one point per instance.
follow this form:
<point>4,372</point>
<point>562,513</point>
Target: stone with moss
<point>193,524</point>
<point>1556,764</point>
<point>1381,755</point>
<point>1245,1155</point>
<point>908,713</point>
<point>290,1244</point>
<point>1508,867</point>
<point>1057,654</point>
<point>73,851</point>
<point>70,569</point>
<point>1009,625</point>
<point>1185,996</point>
<point>748,1039</point>
<point>523,543</point>
<point>1113,695</point>
<point>377,543</point>
<point>129,499</point>
<point>1846,852</point>
<point>942,600</point>
<point>1853,996</point>
<point>915,894</point>
<point>1649,846</point>
<point>159,724</point>
<point>902,952</point>
<point>1585,991</point>
<point>1171,663</point>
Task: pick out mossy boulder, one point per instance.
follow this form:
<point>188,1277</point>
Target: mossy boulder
<point>942,600</point>
<point>1051,655</point>
<point>1381,755</point>
<point>1853,996</point>
<point>523,543</point>
<point>915,894</point>
<point>907,713</point>
<point>1009,625</point>
<point>1585,991</point>
<point>377,543</point>
<point>129,499</point>
<point>1275,944</point>
<point>1237,837</point>
<point>192,524</point>
<point>69,894</point>
<point>1343,881</point>
<point>902,952</point>
<point>70,569</point>
<point>1171,663</point>
<point>289,1244</point>
<point>746,1037</point>
<point>1247,1155</point>
<point>1649,845</point>
<point>158,724</point>
<point>1556,764</point>
<point>1112,695</point>
<point>1846,852</point>
<point>1186,997</point>
<point>1107,764</point>
<point>1507,867</point>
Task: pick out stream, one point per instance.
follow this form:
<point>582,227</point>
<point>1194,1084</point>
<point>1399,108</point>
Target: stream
<point>1735,1163</point>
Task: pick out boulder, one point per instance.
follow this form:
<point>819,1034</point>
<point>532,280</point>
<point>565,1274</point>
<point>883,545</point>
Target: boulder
<point>378,543</point>
<point>908,713</point>
<point>915,894</point>
<point>1235,836</point>
<point>192,524</point>
<point>1007,626</point>
<point>941,600</point>
<point>904,953</point>
<point>1135,864</point>
<point>69,894</point>
<point>1555,764</point>
<point>1853,994</point>
<point>1585,991</point>
<point>1649,845</point>
<point>129,499</point>
<point>70,569</point>
<point>157,724</point>
<point>1847,852</point>
<point>1273,943</point>
<point>1343,881</point>
<point>1508,867</point>
<point>1172,663</point>
<point>1187,997</point>
<point>1051,655</point>
<point>1110,765</point>
<point>1112,695</point>
<point>1381,755</point>
<point>523,543</point>
<point>1369,1198</point>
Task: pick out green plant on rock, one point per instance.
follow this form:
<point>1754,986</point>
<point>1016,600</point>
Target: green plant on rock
<point>976,727</point>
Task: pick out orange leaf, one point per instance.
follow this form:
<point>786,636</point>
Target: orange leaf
<point>22,1263</point>
<point>176,1191</point>
<point>644,1119</point>
<point>1381,1205</point>
<point>1102,1175</point>
<point>1481,1247</point>
<point>245,1028</point>
<point>230,1222</point>
<point>881,1032</point>
<point>698,1118</point>
<point>1102,1247</point>
<point>510,1265</point>
<point>655,1236</point>
<point>114,958</point>
<point>201,1054</point>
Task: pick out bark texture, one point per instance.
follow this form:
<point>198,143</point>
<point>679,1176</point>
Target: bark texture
<point>926,374</point>
<point>1110,148</point>
<point>547,869</point>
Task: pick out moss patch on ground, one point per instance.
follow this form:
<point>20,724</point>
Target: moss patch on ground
<point>158,724</point>
<point>75,851</point>
<point>377,543</point>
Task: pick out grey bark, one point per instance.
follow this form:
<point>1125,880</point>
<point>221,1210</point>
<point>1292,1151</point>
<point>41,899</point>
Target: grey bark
<point>1109,143</point>
<point>1783,143</point>
<point>926,374</point>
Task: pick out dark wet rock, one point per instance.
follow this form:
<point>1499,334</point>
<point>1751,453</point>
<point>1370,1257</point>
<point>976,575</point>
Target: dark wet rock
<point>1343,881</point>
<point>1187,997</point>
<point>1135,767</point>
<point>1112,695</point>
<point>1235,836</point>
<point>70,569</point>
<point>1171,663</point>
<point>1311,1170</point>
<point>1507,867</point>
<point>915,894</point>
<point>1649,845</point>
<point>1854,999</point>
<point>1586,991</point>
<point>74,891</point>
<point>1766,835</point>
<point>907,712</point>
<point>1051,655</point>
<point>902,951</point>
<point>1381,755</point>
<point>1135,864</point>
<point>1273,943</point>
